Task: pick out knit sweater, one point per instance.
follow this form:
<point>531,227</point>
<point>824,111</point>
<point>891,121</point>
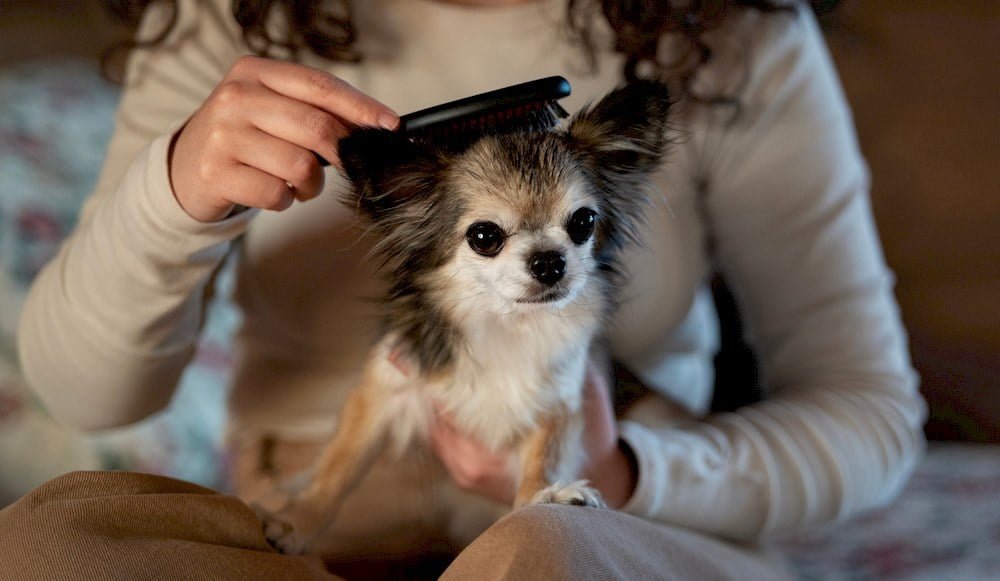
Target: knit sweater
<point>775,197</point>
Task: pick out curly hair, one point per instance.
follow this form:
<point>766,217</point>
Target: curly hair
<point>326,29</point>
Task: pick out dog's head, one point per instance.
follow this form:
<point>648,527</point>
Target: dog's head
<point>516,222</point>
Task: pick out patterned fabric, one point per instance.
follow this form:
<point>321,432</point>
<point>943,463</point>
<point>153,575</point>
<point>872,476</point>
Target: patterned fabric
<point>54,123</point>
<point>944,526</point>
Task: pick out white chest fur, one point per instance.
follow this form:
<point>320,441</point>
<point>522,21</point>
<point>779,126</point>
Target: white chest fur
<point>507,375</point>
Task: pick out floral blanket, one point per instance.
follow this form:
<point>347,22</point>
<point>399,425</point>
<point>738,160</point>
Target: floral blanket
<point>945,526</point>
<point>55,118</point>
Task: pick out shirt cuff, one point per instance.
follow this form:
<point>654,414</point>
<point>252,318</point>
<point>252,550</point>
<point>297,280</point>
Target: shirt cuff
<point>687,479</point>
<point>161,215</point>
<point>645,499</point>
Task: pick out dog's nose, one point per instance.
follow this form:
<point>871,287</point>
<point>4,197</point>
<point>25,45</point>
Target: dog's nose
<point>547,267</point>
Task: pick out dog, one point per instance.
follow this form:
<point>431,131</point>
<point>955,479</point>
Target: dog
<point>502,266</point>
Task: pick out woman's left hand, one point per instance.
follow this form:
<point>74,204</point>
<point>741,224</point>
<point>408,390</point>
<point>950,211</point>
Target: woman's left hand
<point>472,465</point>
<point>610,466</point>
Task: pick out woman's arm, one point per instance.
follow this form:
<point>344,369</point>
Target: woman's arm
<point>112,322</point>
<point>788,205</point>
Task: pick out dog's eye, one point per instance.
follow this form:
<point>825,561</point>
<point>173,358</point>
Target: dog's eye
<point>486,238</point>
<point>581,225</point>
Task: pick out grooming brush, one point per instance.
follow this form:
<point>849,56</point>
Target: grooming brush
<point>530,106</point>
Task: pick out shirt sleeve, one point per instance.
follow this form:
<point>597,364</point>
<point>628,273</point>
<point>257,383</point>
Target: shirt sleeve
<point>111,322</point>
<point>787,202</point>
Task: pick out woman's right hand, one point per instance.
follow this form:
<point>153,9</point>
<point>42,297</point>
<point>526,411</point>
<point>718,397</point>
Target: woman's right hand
<point>251,142</point>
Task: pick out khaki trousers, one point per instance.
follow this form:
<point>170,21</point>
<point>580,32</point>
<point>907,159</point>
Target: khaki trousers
<point>121,525</point>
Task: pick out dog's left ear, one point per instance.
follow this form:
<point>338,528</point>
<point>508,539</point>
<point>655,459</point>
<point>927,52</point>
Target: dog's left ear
<point>388,171</point>
<point>623,136</point>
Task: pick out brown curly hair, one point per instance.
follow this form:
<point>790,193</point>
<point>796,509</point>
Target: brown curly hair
<point>326,29</point>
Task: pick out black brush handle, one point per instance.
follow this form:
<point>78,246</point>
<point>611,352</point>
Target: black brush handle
<point>537,91</point>
<point>507,98</point>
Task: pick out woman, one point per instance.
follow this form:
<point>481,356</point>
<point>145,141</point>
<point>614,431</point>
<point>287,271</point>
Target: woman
<point>765,184</point>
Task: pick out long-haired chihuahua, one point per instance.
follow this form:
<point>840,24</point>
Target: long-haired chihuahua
<point>501,260</point>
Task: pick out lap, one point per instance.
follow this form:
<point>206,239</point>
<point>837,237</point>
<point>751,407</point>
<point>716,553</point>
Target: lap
<point>121,525</point>
<point>88,525</point>
<point>567,542</point>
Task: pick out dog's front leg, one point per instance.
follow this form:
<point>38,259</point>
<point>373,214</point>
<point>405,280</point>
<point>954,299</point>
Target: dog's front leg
<point>551,463</point>
<point>342,464</point>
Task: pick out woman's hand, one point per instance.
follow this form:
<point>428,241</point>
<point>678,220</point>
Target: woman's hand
<point>610,465</point>
<point>251,143</point>
<point>471,465</point>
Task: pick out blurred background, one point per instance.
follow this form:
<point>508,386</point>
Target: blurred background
<point>923,79</point>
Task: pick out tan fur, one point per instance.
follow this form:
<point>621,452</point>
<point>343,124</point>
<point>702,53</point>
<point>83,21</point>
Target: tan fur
<point>533,200</point>
<point>543,456</point>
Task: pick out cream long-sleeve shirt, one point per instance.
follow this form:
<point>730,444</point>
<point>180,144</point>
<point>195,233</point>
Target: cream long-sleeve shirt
<point>781,191</point>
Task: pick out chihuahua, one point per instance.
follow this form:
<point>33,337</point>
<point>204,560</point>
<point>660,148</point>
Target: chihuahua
<point>502,269</point>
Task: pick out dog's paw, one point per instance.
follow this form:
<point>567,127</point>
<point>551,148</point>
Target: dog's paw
<point>282,534</point>
<point>575,494</point>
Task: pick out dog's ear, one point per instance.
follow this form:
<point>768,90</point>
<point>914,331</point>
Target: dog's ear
<point>621,140</point>
<point>386,169</point>
<point>624,133</point>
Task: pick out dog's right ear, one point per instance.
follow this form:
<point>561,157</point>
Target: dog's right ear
<point>624,134</point>
<point>386,169</point>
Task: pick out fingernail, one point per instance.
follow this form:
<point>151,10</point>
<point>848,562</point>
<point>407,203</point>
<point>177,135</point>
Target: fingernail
<point>388,119</point>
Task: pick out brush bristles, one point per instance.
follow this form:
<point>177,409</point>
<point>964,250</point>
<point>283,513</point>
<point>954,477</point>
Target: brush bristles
<point>459,134</point>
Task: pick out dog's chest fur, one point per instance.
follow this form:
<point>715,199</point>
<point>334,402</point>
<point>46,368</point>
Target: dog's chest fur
<point>507,374</point>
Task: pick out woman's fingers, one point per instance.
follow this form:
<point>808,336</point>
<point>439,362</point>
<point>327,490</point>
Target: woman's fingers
<point>253,188</point>
<point>265,120</point>
<point>299,123</point>
<point>471,465</point>
<point>290,163</point>
<point>320,89</point>
<point>610,466</point>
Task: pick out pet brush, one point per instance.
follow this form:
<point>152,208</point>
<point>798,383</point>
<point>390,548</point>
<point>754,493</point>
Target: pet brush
<point>530,106</point>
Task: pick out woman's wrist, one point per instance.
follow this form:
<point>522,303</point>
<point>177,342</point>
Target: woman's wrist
<point>615,475</point>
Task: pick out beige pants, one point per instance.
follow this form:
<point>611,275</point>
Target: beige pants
<point>121,525</point>
<point>402,506</point>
